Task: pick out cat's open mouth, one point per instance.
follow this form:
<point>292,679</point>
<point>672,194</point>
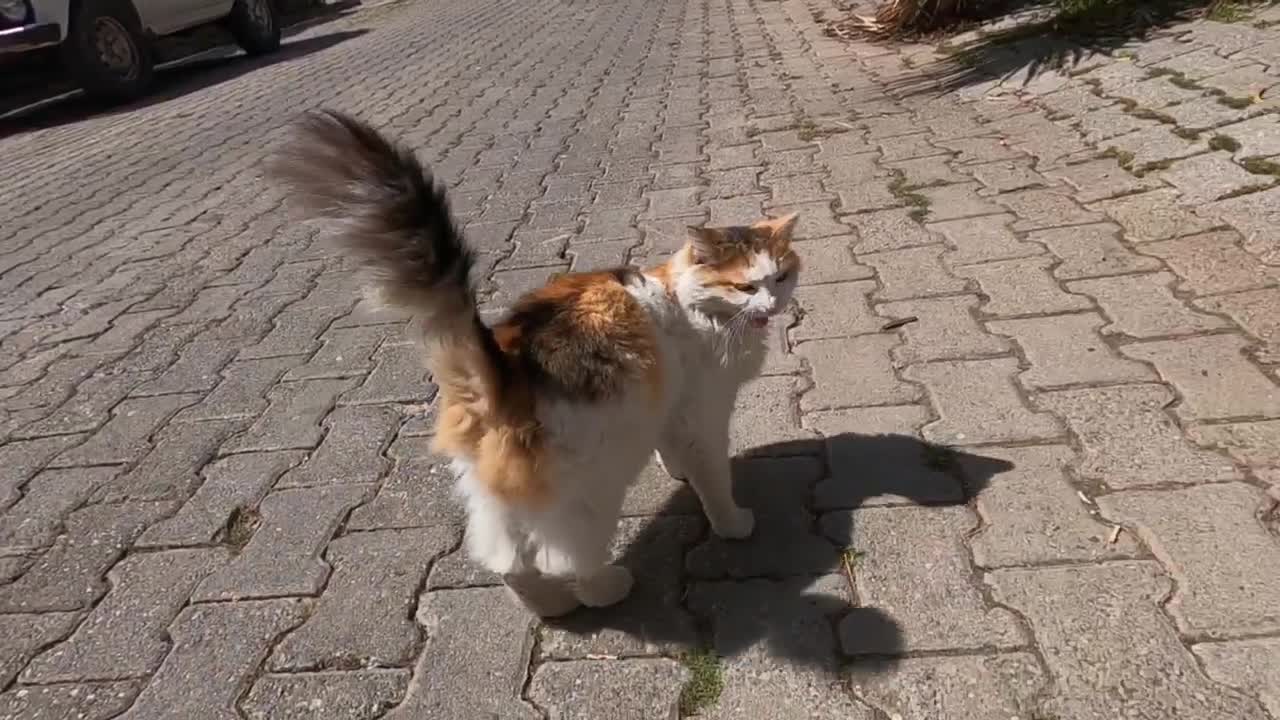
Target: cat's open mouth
<point>759,321</point>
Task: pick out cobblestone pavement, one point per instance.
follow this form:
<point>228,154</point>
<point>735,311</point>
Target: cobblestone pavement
<point>1044,497</point>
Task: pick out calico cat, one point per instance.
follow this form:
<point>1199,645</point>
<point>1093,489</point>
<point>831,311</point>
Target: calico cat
<point>551,413</point>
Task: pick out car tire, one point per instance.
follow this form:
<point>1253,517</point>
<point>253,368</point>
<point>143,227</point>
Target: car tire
<point>106,50</point>
<point>255,25</point>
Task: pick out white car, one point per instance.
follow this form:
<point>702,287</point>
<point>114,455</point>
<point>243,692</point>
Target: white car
<point>106,45</point>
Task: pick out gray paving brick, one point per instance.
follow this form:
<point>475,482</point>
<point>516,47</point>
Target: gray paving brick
<point>639,688</point>
<point>470,668</point>
<point>982,687</point>
<point>1127,439</point>
<point>232,484</point>
<point>126,634</point>
<point>849,372</point>
<point>356,695</point>
<point>292,419</point>
<point>1022,287</point>
<point>1247,665</point>
<point>25,636</point>
<point>242,391</point>
<point>944,329</point>
<point>87,701</point>
<point>69,575</point>
<point>1213,263</point>
<point>977,403</point>
<point>282,557</point>
<point>351,452</point>
<point>1133,641</point>
<point>171,470</point>
<point>983,239</point>
<point>1068,350</point>
<point>36,519</point>
<point>1214,379</point>
<point>24,458</point>
<point>938,560</point>
<point>348,628</point>
<point>216,649</point>
<point>1145,306</point>
<point>1092,251</point>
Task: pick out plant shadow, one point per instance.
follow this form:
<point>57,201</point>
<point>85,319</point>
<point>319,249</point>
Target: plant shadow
<point>1037,40</point>
<point>778,595</point>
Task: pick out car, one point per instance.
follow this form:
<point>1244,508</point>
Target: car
<point>107,46</point>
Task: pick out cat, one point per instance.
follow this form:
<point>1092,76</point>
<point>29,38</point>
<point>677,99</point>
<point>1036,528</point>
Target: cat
<point>550,414</point>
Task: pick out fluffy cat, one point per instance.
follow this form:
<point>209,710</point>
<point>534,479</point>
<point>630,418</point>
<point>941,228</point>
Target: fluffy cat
<point>551,413</point>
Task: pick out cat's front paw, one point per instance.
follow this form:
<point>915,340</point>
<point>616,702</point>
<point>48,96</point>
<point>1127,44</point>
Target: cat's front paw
<point>607,586</point>
<point>739,524</point>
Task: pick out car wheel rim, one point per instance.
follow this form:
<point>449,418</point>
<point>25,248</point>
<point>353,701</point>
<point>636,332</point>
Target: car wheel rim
<point>115,48</point>
<point>260,12</point>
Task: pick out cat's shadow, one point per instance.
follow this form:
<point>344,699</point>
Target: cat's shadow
<point>780,594</point>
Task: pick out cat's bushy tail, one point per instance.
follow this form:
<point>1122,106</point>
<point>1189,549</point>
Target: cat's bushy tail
<point>396,221</point>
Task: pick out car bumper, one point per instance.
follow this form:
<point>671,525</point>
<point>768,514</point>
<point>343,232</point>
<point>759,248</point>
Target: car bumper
<point>29,37</point>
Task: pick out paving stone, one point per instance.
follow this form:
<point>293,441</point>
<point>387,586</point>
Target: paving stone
<point>195,370</point>
<point>927,171</point>
<point>293,416</point>
<point>949,202</point>
<point>1258,137</point>
<point>36,519</point>
<point>1205,178</point>
<point>835,310</point>
<point>125,437</point>
<point>1100,179</point>
<point>230,485</point>
<point>296,332</point>
<point>974,150</point>
<point>1148,671</point>
<point>906,147</point>
<point>1215,380</point>
<point>1022,286</point>
<point>1128,440</point>
<point>797,189</point>
<point>818,220</point>
<point>977,403</point>
<point>779,654</point>
<point>126,635</point>
<point>344,352</point>
<point>993,687</point>
<point>1258,312</point>
<point>355,695</point>
<point>636,689</point>
<point>216,649</point>
<point>600,255</point>
<point>1227,568</point>
<point>913,272</point>
<point>848,172</point>
<point>1251,666</point>
<point>242,391</point>
<point>1102,126</point>
<point>982,239</point>
<point>1092,251</point>
<point>363,617</point>
<point>1031,512</point>
<point>352,449</point>
<point>875,457</point>
<point>1006,176</point>
<point>765,416</point>
<point>1206,113</point>
<point>89,701</point>
<point>24,636</point>
<point>417,492</point>
<point>888,230</point>
<point>1155,215</point>
<point>1152,147</point>
<point>283,555</point>
<point>829,260</point>
<point>1068,350</point>
<point>1256,218</point>
<point>853,372</point>
<point>944,329</point>
<point>1256,444</point>
<point>69,575</point>
<point>171,470</point>
<point>470,669</point>
<point>1157,93</point>
<point>1144,306</point>
<point>1213,263</point>
<point>916,582</point>
<point>1049,207</point>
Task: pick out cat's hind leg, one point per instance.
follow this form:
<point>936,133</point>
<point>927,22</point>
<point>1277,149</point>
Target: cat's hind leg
<point>704,454</point>
<point>573,543</point>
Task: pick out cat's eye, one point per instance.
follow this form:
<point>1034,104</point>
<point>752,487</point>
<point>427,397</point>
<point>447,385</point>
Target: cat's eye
<point>744,287</point>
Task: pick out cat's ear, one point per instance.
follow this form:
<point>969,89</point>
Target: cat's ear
<point>705,243</point>
<point>779,229</point>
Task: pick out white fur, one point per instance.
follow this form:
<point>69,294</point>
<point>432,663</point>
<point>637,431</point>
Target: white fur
<point>599,449</point>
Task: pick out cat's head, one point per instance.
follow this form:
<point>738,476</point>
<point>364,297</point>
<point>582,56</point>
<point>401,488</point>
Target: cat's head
<point>741,272</point>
